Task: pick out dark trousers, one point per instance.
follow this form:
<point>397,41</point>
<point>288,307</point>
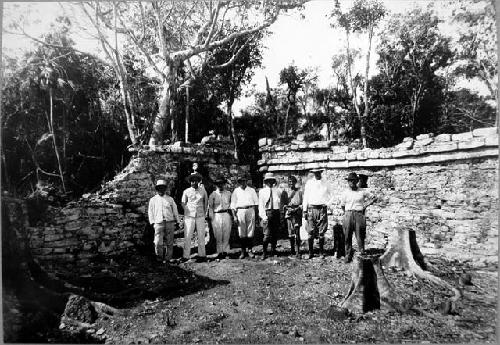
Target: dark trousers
<point>338,240</point>
<point>317,222</point>
<point>294,222</point>
<point>354,222</point>
<point>271,227</point>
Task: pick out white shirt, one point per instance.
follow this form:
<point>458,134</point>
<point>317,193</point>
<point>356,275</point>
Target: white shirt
<point>219,201</point>
<point>317,192</point>
<point>354,200</point>
<point>265,202</point>
<point>244,197</point>
<point>162,208</point>
<point>195,202</point>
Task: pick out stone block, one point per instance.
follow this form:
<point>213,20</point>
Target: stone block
<point>491,141</point>
<point>52,238</point>
<point>485,132</point>
<point>423,142</point>
<point>319,145</point>
<point>270,141</point>
<point>398,154</point>
<point>443,146</point>
<point>72,226</point>
<point>442,137</point>
<point>351,156</point>
<point>363,155</point>
<point>339,149</point>
<point>374,154</point>
<point>99,211</point>
<point>461,136</point>
<point>407,144</point>
<point>262,142</point>
<point>472,143</point>
<point>424,136</point>
<point>337,157</point>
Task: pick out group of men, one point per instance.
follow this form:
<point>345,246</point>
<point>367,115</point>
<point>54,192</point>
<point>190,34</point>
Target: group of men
<point>271,205</point>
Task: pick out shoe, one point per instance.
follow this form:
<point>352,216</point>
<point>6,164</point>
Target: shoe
<point>183,260</point>
<point>310,256</point>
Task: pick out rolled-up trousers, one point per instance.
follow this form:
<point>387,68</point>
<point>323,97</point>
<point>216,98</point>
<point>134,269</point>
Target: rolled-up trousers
<point>354,222</point>
<point>317,221</point>
<point>164,234</point>
<point>221,223</point>
<point>190,223</point>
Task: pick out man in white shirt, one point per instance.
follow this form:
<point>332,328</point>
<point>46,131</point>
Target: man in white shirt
<point>195,202</point>
<point>219,212</point>
<point>163,215</point>
<point>270,205</point>
<point>244,202</point>
<point>318,194</point>
<point>354,202</point>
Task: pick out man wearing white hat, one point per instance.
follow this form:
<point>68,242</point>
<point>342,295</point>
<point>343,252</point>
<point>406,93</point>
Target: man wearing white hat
<point>163,215</point>
<point>318,194</point>
<point>195,203</point>
<point>244,201</point>
<point>270,205</point>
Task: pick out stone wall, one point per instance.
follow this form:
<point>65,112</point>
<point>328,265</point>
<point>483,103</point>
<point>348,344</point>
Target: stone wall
<point>444,186</point>
<point>113,220</point>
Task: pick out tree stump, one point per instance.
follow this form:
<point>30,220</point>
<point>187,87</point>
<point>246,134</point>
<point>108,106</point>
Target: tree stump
<point>404,253</point>
<point>369,288</point>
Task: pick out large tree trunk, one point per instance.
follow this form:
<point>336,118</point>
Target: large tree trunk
<point>231,125</point>
<point>369,288</point>
<point>186,124</point>
<point>163,116</point>
<point>366,98</point>
<point>166,109</point>
<point>351,81</point>
<point>404,253</point>
<point>51,128</point>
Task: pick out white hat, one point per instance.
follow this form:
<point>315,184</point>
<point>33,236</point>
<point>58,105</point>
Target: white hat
<point>269,176</point>
<point>161,183</point>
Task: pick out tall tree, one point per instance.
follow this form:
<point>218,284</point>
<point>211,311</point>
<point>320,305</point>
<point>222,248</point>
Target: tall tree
<point>363,17</point>
<point>227,79</point>
<point>476,52</point>
<point>294,80</point>
<point>410,53</point>
<point>173,35</point>
<point>80,113</point>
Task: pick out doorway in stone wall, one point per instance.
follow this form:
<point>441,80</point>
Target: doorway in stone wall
<point>185,168</point>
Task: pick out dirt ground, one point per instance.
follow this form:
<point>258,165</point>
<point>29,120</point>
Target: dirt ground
<point>279,300</point>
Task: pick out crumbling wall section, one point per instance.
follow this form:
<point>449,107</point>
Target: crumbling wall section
<point>112,220</point>
<point>444,186</point>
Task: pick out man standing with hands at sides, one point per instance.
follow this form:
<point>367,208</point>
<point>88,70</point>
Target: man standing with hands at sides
<point>219,212</point>
<point>270,205</point>
<point>163,215</point>
<point>195,202</point>
<point>318,194</point>
<point>244,202</point>
<point>354,202</point>
<point>293,214</point>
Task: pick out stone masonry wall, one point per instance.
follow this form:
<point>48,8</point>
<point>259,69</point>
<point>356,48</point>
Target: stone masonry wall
<point>112,220</point>
<point>444,186</point>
